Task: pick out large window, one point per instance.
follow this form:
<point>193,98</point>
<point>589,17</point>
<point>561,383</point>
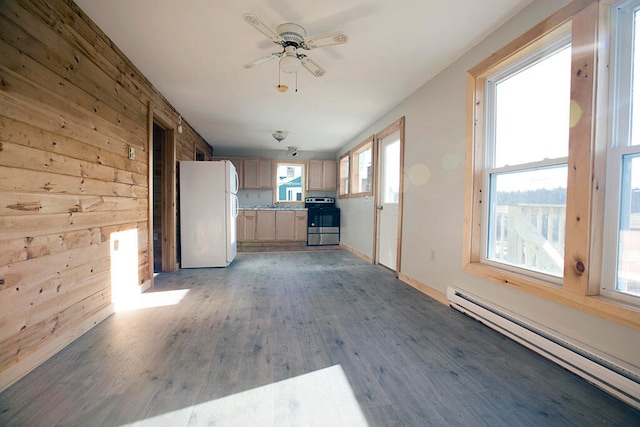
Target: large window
<point>553,161</point>
<point>289,182</point>
<point>525,171</point>
<point>622,248</point>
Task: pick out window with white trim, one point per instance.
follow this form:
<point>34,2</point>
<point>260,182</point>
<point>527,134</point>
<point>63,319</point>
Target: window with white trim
<point>525,154</point>
<point>290,182</point>
<point>621,275</point>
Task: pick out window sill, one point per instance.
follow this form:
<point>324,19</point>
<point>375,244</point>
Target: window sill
<point>605,307</point>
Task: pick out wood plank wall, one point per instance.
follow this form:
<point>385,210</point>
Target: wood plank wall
<point>71,104</point>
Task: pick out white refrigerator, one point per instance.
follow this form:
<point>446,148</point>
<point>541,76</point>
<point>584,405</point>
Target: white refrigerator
<point>208,212</point>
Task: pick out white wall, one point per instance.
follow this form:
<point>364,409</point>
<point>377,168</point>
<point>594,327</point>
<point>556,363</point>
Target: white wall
<point>434,198</point>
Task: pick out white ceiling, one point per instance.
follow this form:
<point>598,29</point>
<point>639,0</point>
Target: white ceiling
<point>193,52</point>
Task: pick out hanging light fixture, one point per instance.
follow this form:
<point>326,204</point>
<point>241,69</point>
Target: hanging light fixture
<point>279,135</point>
<point>289,62</point>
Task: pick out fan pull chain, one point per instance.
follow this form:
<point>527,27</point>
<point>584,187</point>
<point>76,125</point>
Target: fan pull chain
<point>296,82</point>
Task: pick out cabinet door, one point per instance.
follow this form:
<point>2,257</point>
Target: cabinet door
<point>300,226</point>
<point>265,171</point>
<point>285,225</point>
<point>314,175</point>
<point>251,174</point>
<point>266,225</point>
<point>240,226</point>
<point>321,175</point>
<point>249,225</point>
<point>329,174</point>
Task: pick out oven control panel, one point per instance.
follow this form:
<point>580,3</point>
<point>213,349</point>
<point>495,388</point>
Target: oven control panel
<point>319,201</point>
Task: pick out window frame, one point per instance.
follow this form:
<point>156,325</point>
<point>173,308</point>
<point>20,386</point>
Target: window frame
<point>620,145</point>
<point>343,175</point>
<point>278,163</point>
<point>588,23</point>
<point>555,41</point>
<point>365,145</point>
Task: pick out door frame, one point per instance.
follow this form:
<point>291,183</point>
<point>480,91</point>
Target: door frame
<point>398,125</point>
<point>169,191</point>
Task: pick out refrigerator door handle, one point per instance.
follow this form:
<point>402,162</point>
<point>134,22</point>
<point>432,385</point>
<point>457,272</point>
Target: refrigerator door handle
<point>236,204</point>
<point>236,185</point>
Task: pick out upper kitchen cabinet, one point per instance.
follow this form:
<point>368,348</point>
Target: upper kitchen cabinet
<point>258,174</point>
<point>321,175</point>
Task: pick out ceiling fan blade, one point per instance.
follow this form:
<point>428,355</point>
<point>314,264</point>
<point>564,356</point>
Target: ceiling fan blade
<point>263,60</point>
<point>258,25</point>
<point>313,68</point>
<point>325,40</point>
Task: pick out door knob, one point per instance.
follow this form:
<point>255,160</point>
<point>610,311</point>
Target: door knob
<point>380,207</point>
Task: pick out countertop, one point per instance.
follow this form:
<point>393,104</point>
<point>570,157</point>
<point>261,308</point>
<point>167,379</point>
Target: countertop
<point>272,208</point>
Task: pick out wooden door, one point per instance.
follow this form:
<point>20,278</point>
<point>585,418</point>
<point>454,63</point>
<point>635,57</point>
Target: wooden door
<point>389,196</point>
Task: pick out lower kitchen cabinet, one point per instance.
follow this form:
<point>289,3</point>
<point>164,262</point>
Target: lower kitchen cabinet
<point>249,225</point>
<point>265,225</point>
<point>272,225</point>
<point>300,226</point>
<point>240,226</point>
<point>284,225</point>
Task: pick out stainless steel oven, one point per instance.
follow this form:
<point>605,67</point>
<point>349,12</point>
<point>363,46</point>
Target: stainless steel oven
<point>323,221</point>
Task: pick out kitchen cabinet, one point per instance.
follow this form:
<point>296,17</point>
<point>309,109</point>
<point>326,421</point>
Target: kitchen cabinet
<point>247,225</point>
<point>272,225</point>
<point>321,175</point>
<point>258,174</point>
<point>300,226</point>
<point>265,225</point>
<point>285,225</point>
<point>240,226</point>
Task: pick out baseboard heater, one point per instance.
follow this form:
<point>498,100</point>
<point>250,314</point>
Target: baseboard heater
<point>613,376</point>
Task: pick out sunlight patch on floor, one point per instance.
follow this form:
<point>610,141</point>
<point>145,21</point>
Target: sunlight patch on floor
<point>320,398</point>
<point>150,300</point>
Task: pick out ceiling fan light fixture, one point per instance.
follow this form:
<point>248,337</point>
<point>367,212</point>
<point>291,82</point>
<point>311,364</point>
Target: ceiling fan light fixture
<point>279,135</point>
<point>289,63</point>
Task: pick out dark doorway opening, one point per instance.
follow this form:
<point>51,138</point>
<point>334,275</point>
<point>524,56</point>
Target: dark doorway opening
<point>159,137</point>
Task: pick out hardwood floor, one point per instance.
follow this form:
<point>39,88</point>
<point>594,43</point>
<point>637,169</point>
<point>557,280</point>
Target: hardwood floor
<point>300,338</point>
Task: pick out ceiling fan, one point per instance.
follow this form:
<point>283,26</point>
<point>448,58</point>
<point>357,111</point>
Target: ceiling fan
<point>292,37</point>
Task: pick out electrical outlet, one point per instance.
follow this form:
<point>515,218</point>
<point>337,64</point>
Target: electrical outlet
<point>433,254</point>
<point>132,153</point>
